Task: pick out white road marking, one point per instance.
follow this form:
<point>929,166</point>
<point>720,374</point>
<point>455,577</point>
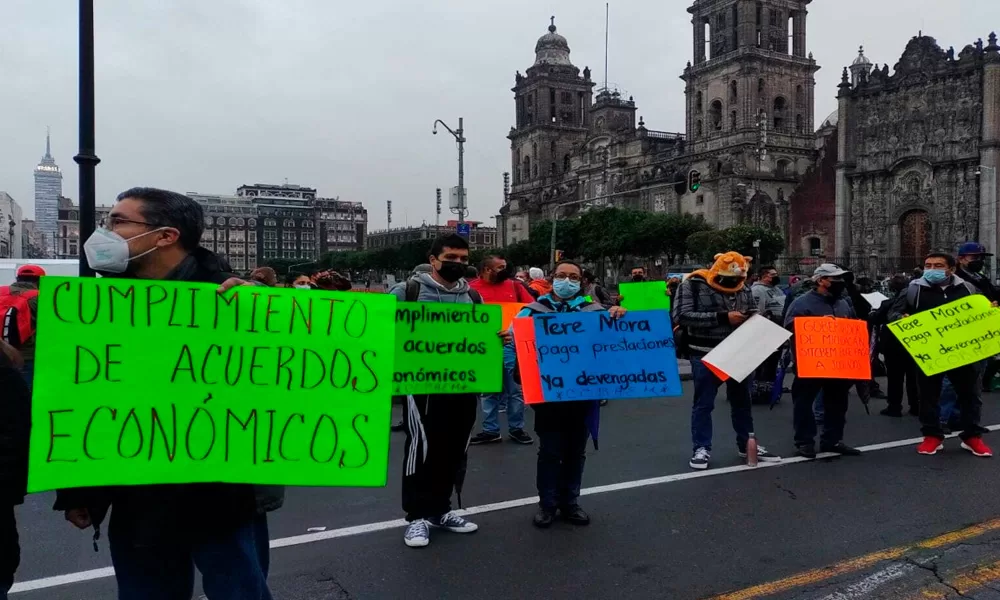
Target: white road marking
<point>311,538</point>
<point>865,587</point>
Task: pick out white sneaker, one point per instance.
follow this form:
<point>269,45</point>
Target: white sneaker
<point>700,459</point>
<point>417,534</point>
<point>762,455</point>
<point>453,523</point>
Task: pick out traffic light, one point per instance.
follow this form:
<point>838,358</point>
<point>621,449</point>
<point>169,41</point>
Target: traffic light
<point>694,180</point>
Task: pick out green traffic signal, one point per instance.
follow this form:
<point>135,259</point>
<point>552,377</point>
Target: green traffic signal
<point>694,180</point>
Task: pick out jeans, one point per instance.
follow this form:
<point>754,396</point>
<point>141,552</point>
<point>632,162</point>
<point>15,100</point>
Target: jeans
<point>818,409</point>
<point>949,398</point>
<point>706,388</point>
<point>966,383</point>
<point>229,565</point>
<point>561,456</point>
<point>514,398</point>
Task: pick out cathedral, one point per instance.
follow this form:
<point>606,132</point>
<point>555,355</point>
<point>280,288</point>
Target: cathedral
<point>749,136</point>
<point>908,162</point>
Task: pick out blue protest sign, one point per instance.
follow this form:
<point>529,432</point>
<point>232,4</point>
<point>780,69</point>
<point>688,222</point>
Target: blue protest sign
<point>590,356</point>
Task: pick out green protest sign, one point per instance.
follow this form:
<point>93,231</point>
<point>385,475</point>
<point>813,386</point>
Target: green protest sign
<point>956,334</point>
<point>647,295</point>
<point>448,348</point>
<point>148,382</point>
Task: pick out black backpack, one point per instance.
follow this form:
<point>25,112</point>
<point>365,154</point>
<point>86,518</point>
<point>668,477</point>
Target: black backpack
<point>413,292</point>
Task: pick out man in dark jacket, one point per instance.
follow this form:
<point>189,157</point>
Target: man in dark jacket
<point>939,286</point>
<point>159,533</point>
<point>827,299</point>
<point>15,427</point>
<point>899,365</point>
<point>711,304</point>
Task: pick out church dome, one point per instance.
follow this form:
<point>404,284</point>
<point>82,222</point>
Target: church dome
<point>861,59</point>
<point>552,48</point>
<point>832,120</point>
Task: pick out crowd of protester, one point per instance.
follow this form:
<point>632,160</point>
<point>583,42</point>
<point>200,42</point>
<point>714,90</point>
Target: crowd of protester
<point>160,534</point>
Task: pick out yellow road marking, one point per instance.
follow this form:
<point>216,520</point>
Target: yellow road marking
<point>964,582</point>
<point>851,565</point>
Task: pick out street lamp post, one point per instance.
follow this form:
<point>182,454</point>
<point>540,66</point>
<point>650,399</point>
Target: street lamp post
<point>460,138</point>
<point>86,158</point>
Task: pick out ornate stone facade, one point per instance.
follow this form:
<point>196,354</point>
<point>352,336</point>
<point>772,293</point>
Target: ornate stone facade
<point>918,152</point>
<point>749,104</point>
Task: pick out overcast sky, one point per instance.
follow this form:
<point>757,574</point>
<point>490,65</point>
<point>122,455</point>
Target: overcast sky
<point>206,95</point>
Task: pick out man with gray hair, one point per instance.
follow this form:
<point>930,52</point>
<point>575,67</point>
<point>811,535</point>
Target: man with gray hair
<point>825,300</point>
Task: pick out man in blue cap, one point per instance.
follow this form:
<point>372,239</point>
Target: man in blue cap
<point>971,263</point>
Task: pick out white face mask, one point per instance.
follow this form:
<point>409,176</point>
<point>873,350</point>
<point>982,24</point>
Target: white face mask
<point>107,251</point>
<point>303,286</point>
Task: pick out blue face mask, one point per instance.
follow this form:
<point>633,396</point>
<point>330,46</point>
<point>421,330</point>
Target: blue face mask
<point>564,288</point>
<point>935,276</point>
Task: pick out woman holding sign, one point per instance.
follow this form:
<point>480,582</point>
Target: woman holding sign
<point>562,427</point>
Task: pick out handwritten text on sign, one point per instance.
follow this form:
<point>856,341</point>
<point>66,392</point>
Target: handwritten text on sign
<point>831,348</point>
<point>447,348</point>
<point>956,334</point>
<point>591,356</point>
<point>143,382</point>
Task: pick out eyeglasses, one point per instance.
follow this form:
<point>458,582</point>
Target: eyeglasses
<point>110,222</point>
<point>563,276</point>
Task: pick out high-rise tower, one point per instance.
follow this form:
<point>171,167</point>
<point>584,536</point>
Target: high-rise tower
<point>48,189</point>
<point>750,99</point>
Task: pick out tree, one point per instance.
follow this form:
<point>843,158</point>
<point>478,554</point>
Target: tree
<point>704,245</point>
<point>742,237</point>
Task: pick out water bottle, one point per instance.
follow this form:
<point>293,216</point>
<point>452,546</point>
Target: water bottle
<point>752,451</point>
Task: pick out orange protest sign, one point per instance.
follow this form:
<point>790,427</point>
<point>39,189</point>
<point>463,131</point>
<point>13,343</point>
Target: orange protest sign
<point>831,348</point>
<point>509,310</point>
<point>527,360</point>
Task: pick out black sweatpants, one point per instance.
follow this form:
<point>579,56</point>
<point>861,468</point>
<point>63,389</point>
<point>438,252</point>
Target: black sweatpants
<point>10,550</point>
<point>438,428</point>
<point>900,368</point>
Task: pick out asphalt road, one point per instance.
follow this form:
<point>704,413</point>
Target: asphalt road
<point>889,524</point>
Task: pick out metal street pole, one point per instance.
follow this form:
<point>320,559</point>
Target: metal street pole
<point>459,136</point>
<point>86,158</point>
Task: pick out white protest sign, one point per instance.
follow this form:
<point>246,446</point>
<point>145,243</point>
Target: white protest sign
<point>746,348</point>
<point>875,299</point>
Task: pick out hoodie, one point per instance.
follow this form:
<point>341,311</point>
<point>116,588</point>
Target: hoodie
<point>921,296</point>
<point>770,300</point>
<point>432,291</point>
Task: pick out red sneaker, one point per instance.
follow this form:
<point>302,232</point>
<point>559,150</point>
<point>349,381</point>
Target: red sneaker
<point>977,447</point>
<point>930,445</point>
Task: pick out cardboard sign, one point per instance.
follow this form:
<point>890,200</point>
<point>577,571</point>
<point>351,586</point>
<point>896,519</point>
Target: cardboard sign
<point>448,348</point>
<point>509,311</point>
<point>831,348</point>
<point>745,349</point>
<point>591,356</point>
<point>956,334</point>
<point>647,295</point>
<point>150,382</point>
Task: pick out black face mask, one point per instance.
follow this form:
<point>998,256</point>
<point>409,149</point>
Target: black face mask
<point>775,280</point>
<point>503,275</point>
<point>837,288</point>
<point>976,266</point>
<point>728,282</point>
<point>638,278</point>
<point>451,271</point>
